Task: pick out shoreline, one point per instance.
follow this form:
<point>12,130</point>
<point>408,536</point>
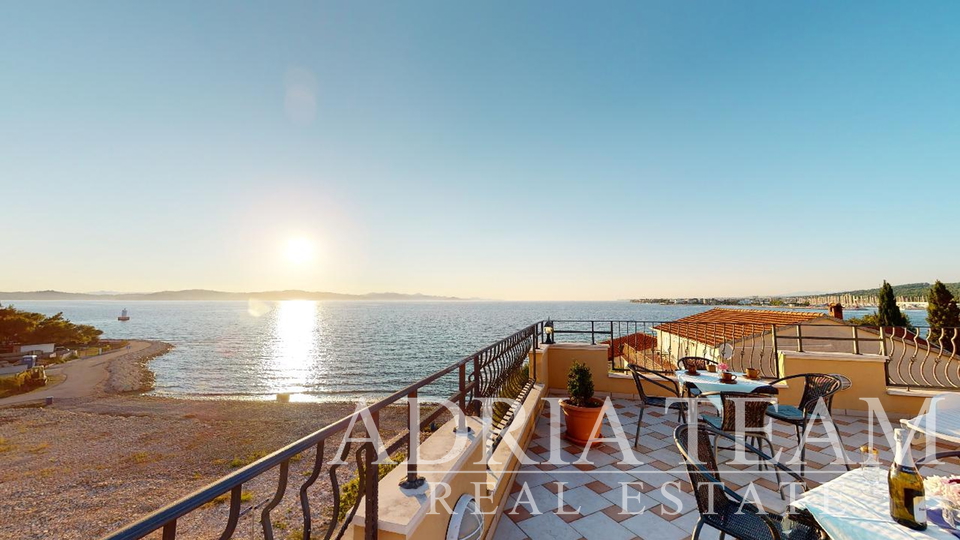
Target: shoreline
<point>131,374</point>
<point>107,453</point>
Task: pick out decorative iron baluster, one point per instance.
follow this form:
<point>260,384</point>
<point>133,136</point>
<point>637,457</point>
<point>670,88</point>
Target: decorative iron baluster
<point>304,497</point>
<point>234,516</point>
<point>281,490</point>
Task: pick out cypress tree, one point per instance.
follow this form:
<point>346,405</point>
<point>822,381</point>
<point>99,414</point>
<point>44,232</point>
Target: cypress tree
<point>888,312</point>
<point>943,315</point>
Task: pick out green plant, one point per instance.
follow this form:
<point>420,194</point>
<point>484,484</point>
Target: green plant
<point>888,313</point>
<point>350,492</point>
<point>580,385</point>
<point>238,462</point>
<point>942,312</point>
<point>245,496</point>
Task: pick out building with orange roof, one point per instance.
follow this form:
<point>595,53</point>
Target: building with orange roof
<point>742,337</point>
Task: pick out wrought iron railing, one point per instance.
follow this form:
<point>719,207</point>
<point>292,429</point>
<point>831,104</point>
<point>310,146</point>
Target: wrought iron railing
<point>923,357</point>
<point>658,345</point>
<point>917,356</point>
<point>500,370</point>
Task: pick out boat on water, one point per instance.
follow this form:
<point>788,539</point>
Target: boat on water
<point>123,315</point>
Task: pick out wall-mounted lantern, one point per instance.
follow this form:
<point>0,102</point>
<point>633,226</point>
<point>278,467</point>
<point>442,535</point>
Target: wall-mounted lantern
<point>548,330</point>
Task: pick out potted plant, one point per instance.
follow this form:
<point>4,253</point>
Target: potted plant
<point>581,410</point>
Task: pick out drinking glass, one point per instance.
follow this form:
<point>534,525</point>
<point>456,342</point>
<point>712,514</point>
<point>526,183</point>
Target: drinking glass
<point>870,464</point>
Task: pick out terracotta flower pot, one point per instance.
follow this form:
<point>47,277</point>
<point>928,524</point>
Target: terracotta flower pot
<point>580,421</point>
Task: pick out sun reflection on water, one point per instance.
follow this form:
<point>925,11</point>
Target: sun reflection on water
<point>295,344</point>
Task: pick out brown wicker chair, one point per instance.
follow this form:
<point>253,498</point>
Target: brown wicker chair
<point>641,375</point>
<point>696,362</point>
<point>754,413</point>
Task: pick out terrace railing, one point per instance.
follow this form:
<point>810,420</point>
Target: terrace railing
<point>658,345</point>
<point>918,357</point>
<point>500,370</point>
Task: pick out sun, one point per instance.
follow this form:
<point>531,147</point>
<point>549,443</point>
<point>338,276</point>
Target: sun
<point>300,250</point>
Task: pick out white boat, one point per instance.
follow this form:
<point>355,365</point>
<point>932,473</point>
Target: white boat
<point>123,315</point>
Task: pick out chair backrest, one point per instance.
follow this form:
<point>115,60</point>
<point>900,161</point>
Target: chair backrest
<point>817,386</point>
<point>641,374</point>
<point>766,390</point>
<point>845,383</point>
<point>697,362</point>
<point>702,468</point>
<point>754,406</point>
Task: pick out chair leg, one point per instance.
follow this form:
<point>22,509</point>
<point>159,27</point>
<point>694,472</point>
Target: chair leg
<point>636,438</point>
<point>722,535</point>
<point>803,449</point>
<point>696,530</point>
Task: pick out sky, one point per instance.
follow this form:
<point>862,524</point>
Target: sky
<point>504,150</point>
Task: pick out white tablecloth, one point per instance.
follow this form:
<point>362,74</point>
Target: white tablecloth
<point>710,382</point>
<point>943,420</point>
<point>850,508</point>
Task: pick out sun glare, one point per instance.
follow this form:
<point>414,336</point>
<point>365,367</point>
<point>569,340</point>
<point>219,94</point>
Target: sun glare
<point>300,250</point>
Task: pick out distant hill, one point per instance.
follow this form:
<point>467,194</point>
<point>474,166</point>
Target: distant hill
<point>204,294</point>
<point>908,290</point>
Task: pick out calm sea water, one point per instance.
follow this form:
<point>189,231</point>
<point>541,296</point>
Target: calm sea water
<point>325,350</point>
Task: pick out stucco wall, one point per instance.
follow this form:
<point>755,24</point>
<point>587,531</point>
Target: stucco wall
<point>866,372</point>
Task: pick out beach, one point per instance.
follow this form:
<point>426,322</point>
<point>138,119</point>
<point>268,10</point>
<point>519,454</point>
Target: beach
<point>104,454</point>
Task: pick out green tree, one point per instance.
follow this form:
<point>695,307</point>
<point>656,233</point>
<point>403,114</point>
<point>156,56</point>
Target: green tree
<point>24,327</point>
<point>943,315</point>
<point>888,312</point>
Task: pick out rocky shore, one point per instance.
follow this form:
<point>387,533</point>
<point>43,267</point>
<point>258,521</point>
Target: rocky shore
<point>130,373</point>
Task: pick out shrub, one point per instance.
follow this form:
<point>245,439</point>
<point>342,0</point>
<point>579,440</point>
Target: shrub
<point>350,492</point>
<point>580,385</point>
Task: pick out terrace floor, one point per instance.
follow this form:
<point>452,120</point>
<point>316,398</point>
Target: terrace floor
<point>661,505</point>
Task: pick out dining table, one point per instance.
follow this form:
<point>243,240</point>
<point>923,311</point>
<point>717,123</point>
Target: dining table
<point>856,506</point>
<point>709,383</point>
<point>941,421</point>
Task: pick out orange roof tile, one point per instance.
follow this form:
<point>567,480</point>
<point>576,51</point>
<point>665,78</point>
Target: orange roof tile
<point>721,325</point>
<point>638,342</point>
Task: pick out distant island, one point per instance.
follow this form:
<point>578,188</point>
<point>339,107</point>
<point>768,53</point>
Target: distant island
<point>207,295</point>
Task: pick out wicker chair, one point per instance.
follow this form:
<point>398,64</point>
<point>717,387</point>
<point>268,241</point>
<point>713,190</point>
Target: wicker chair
<point>754,407</point>
<point>816,387</point>
<point>700,364</point>
<point>725,510</point>
<point>697,362</point>
<point>939,456</point>
<point>641,375</point>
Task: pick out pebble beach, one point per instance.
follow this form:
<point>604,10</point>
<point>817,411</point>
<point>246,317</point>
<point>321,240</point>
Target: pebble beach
<point>84,466</point>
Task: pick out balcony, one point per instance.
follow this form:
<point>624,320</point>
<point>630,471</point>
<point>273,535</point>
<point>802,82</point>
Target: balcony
<point>470,445</point>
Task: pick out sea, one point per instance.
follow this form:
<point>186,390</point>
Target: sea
<point>327,350</point>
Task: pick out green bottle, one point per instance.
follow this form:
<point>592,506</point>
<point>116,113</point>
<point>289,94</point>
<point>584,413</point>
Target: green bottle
<point>907,502</point>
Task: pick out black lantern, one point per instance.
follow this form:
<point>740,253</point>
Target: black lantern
<point>548,330</point>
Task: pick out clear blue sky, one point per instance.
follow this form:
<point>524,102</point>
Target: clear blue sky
<point>514,150</point>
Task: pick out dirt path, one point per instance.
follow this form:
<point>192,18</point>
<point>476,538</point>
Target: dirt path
<point>85,377</point>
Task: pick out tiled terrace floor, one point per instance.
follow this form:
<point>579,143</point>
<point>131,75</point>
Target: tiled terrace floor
<point>661,513</point>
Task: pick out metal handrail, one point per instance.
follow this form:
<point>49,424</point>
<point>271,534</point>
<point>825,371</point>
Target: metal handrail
<point>917,357</point>
<point>481,385</point>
